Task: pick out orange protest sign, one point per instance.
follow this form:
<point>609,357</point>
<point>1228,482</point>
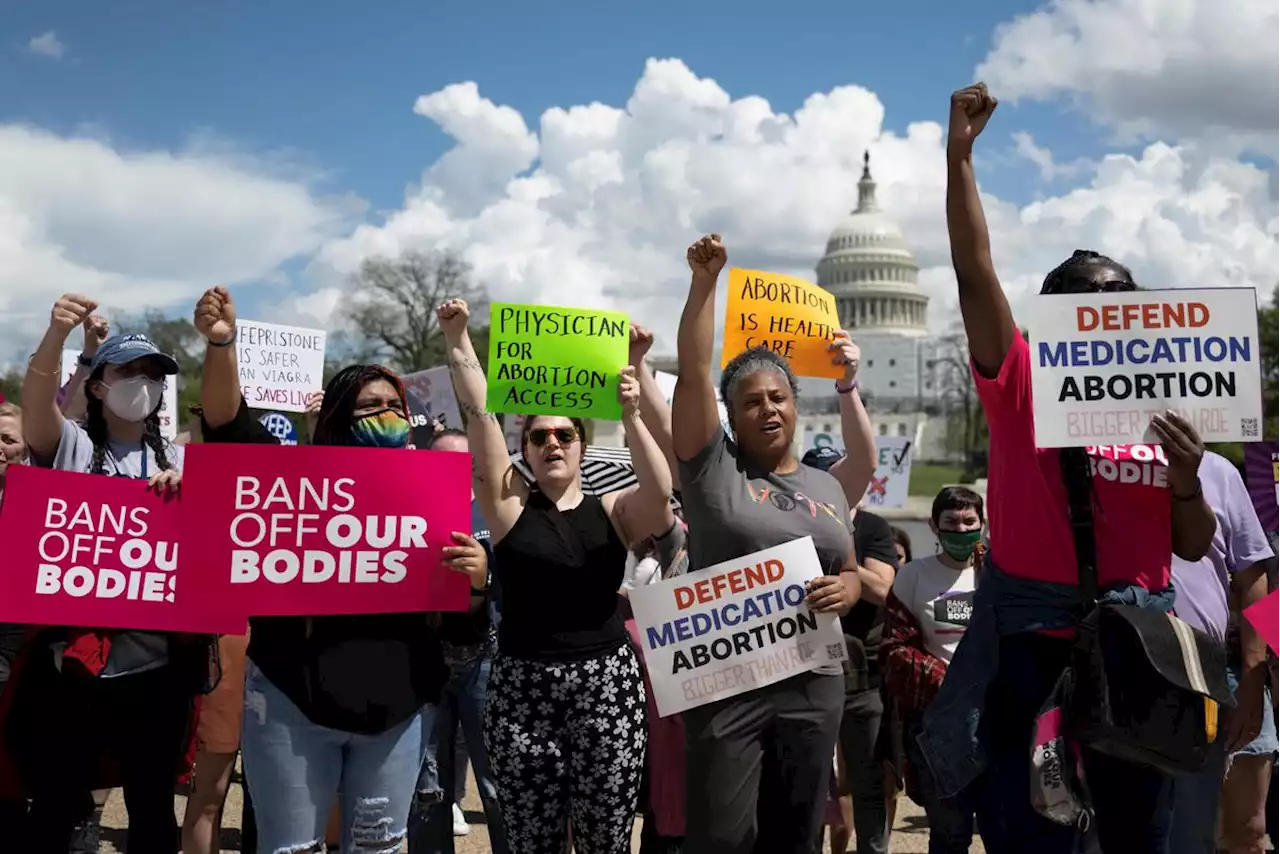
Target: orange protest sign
<point>790,316</point>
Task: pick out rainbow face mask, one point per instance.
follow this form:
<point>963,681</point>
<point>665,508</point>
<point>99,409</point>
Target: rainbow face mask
<point>385,428</point>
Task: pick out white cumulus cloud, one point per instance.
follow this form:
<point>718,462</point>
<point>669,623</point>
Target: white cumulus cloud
<point>47,44</point>
<point>1202,69</point>
<point>595,206</point>
<point>138,230</point>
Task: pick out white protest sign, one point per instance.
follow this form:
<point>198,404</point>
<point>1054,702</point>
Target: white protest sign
<point>168,414</point>
<point>667,385</point>
<point>1103,363</point>
<point>734,627</point>
<point>434,390</point>
<point>889,485</point>
<point>279,365</point>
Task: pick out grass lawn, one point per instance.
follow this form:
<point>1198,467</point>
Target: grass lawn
<point>927,480</point>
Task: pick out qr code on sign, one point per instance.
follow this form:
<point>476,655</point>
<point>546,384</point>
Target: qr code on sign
<point>1249,428</point>
<point>833,651</point>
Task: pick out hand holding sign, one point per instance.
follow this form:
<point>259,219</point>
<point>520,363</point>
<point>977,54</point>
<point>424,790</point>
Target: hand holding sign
<point>831,594</point>
<point>706,258</point>
<point>215,316</point>
<point>971,109</point>
<point>846,354</point>
<point>166,481</point>
<point>467,557</point>
<point>70,311</point>
<point>315,400</point>
<point>1183,449</point>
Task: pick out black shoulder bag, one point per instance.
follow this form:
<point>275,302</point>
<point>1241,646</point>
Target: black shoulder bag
<point>1145,687</point>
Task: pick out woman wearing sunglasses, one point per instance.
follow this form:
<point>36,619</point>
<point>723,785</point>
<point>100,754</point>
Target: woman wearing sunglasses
<point>565,719</point>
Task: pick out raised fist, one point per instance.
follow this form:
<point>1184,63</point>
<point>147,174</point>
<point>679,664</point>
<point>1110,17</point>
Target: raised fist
<point>706,257</point>
<point>971,108</point>
<point>215,316</point>
<point>846,354</point>
<point>96,330</point>
<point>452,315</point>
<point>641,341</point>
<point>70,311</point>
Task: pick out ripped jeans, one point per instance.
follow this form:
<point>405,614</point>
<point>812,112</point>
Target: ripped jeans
<point>296,768</point>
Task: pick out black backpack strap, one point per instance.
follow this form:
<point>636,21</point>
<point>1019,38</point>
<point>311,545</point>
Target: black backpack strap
<point>1077,478</point>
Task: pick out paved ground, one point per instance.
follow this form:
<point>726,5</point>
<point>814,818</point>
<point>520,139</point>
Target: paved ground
<point>910,836</point>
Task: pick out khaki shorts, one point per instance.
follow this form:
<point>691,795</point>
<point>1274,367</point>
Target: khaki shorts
<point>221,713</point>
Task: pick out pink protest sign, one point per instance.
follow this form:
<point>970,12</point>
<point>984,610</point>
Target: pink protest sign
<point>310,530</point>
<point>1265,617</point>
<point>95,551</point>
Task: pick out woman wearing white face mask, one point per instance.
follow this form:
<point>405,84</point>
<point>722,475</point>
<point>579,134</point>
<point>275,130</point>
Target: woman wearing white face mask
<point>94,698</point>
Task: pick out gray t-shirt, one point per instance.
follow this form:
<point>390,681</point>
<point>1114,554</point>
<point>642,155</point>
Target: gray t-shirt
<point>131,652</point>
<point>734,510</point>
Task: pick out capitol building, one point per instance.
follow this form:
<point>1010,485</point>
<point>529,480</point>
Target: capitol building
<point>870,270</point>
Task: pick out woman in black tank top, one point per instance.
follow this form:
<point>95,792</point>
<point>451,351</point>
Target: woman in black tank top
<point>565,719</point>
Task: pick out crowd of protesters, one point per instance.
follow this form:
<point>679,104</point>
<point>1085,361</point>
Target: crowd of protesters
<point>348,727</point>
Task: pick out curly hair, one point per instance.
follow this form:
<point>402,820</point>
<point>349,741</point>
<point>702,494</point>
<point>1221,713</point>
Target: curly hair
<point>1060,277</point>
<point>333,424</point>
<point>95,425</point>
<point>753,361</point>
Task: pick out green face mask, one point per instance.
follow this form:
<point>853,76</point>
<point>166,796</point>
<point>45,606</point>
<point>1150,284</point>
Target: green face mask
<point>959,545</point>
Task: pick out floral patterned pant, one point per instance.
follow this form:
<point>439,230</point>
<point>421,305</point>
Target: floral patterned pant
<point>566,742</point>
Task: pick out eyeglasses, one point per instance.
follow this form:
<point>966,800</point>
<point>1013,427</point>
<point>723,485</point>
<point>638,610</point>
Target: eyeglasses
<point>1085,285</point>
<point>564,436</point>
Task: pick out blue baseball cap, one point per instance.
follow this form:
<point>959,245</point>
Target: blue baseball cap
<point>123,349</point>
<point>822,458</point>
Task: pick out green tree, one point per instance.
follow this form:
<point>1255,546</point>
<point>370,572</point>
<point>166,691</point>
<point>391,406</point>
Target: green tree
<point>394,308</point>
<point>1268,319</point>
<point>11,384</point>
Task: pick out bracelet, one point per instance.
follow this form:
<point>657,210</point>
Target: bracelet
<point>1192,497</point>
<point>853,386</point>
<point>84,361</point>
<point>235,333</point>
<point>31,368</point>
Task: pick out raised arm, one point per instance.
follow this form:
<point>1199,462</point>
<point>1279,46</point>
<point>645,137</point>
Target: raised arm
<point>41,418</point>
<point>73,401</point>
<point>694,417</point>
<point>498,486</point>
<point>654,410</point>
<point>988,322</point>
<point>645,509</point>
<point>220,395</point>
<point>855,469</point>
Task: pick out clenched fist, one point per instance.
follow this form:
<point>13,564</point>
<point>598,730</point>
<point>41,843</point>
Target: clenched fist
<point>707,257</point>
<point>641,341</point>
<point>215,316</point>
<point>70,311</point>
<point>96,331</point>
<point>971,108</point>
<point>452,315</point>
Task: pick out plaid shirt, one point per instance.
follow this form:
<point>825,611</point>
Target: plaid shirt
<point>911,675</point>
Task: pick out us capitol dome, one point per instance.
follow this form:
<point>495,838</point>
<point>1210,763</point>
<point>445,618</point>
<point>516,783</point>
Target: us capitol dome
<point>870,270</point>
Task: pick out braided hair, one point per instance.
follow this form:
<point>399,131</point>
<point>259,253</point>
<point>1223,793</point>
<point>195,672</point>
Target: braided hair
<point>1073,463</point>
<point>1062,277</point>
<point>333,425</point>
<point>96,427</point>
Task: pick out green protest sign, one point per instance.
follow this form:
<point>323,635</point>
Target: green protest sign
<point>545,360</point>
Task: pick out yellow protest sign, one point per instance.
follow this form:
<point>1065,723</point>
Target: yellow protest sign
<point>790,316</point>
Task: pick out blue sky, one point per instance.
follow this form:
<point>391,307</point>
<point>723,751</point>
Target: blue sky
<point>149,149</point>
<point>335,82</point>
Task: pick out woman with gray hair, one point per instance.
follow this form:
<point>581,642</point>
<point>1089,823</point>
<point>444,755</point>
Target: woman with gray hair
<point>772,745</point>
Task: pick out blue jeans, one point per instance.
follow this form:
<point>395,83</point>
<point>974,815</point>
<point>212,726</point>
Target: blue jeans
<point>431,821</point>
<point>296,768</point>
<point>1196,797</point>
<point>1133,805</point>
<point>951,820</point>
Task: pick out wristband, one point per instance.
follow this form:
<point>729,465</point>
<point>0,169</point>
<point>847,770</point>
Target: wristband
<point>235,333</point>
<point>853,386</point>
<point>1199,490</point>
<point>84,361</point>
